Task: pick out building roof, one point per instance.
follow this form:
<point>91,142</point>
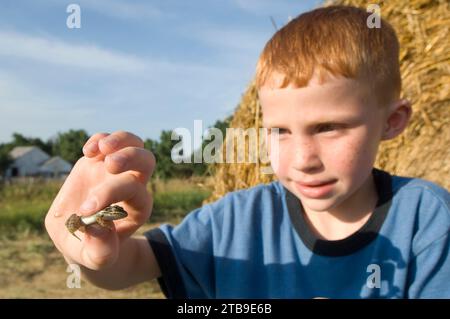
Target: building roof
<point>19,151</point>
<point>55,164</point>
<point>55,159</point>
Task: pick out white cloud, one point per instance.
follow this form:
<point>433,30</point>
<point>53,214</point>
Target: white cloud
<point>60,53</point>
<point>30,104</point>
<point>63,53</point>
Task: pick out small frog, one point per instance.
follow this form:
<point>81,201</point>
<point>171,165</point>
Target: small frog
<point>103,218</point>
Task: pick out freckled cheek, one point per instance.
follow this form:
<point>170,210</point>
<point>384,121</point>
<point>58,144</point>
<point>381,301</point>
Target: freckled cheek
<point>349,158</point>
<point>280,160</point>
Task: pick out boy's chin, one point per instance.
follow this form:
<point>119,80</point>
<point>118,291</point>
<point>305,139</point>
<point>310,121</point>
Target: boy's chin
<point>318,204</point>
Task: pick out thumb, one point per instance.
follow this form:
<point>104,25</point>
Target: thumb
<point>100,247</point>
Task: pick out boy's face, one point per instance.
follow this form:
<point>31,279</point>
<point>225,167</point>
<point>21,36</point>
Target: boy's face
<point>328,134</point>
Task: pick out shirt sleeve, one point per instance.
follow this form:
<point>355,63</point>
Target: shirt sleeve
<point>431,271</point>
<point>185,256</point>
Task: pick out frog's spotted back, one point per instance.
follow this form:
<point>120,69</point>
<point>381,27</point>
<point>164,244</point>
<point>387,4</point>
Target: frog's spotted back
<point>114,212</point>
<point>103,218</point>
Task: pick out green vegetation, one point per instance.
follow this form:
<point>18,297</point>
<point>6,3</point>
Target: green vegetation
<point>166,168</point>
<point>31,265</point>
<point>176,197</point>
<point>68,145</point>
<point>24,204</point>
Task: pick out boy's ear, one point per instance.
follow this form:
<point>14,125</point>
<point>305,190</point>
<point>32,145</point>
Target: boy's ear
<point>397,119</point>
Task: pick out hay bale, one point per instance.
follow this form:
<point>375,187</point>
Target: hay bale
<point>423,149</point>
<point>233,176</point>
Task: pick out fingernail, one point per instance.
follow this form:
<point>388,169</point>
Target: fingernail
<point>119,160</point>
<point>91,148</point>
<point>111,141</point>
<point>89,205</point>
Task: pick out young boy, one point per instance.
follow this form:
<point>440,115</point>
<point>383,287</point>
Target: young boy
<point>332,226</point>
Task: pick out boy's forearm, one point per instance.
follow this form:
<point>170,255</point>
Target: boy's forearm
<point>136,263</point>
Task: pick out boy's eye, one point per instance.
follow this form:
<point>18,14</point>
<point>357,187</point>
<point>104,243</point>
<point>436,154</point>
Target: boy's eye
<point>278,131</point>
<point>327,127</point>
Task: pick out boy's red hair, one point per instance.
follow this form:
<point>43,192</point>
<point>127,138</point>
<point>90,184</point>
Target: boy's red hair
<point>334,40</point>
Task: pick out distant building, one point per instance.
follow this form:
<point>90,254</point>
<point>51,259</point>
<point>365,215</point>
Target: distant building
<point>32,161</point>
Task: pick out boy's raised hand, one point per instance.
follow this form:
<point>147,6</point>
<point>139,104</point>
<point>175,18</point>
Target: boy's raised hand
<point>115,169</point>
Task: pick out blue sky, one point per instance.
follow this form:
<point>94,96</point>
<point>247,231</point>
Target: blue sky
<point>140,66</point>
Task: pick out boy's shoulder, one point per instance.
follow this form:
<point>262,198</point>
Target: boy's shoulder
<point>413,189</point>
<point>420,208</point>
<point>259,192</point>
<point>422,205</point>
<point>261,198</point>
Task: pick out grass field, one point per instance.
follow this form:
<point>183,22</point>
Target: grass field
<point>31,267</point>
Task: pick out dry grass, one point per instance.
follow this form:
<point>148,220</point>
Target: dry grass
<point>195,183</point>
<point>33,268</point>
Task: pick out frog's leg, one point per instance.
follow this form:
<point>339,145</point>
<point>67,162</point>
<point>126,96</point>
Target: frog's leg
<point>81,229</point>
<point>76,236</point>
<point>105,223</point>
<point>74,223</point>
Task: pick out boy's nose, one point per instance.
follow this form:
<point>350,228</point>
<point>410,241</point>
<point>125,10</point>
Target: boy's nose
<point>306,157</point>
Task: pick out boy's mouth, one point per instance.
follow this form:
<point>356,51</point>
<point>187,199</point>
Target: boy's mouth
<point>315,189</point>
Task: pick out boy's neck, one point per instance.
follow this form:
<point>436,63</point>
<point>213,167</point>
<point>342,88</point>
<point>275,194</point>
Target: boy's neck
<point>348,217</point>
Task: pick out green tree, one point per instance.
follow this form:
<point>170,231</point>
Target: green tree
<point>69,145</point>
<point>5,159</point>
<point>204,168</point>
<point>150,145</point>
<point>165,165</point>
<point>20,140</point>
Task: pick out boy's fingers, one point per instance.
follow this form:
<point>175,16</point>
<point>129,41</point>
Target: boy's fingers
<point>131,159</point>
<point>99,248</point>
<point>120,188</point>
<point>90,148</point>
<point>117,141</point>
<point>140,210</point>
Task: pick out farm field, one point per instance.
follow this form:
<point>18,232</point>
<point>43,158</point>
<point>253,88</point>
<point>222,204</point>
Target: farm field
<point>31,267</point>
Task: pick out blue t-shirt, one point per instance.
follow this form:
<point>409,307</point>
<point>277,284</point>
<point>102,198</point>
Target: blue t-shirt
<point>255,243</point>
